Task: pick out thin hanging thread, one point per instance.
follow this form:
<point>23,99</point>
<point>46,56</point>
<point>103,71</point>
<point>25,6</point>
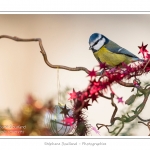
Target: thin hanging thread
<point>58,86</point>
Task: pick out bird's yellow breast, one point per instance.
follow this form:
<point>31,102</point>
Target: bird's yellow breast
<point>110,58</point>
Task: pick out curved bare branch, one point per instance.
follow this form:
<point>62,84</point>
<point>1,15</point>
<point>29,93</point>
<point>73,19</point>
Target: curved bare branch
<point>44,53</point>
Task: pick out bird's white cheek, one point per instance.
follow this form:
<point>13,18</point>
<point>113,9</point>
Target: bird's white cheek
<point>99,44</point>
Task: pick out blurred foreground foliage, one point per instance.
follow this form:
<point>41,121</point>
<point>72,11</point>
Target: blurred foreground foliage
<point>29,121</point>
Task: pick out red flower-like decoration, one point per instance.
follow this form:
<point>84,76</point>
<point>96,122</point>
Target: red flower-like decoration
<point>102,65</point>
<point>86,105</point>
<point>73,95</point>
<point>143,49</point>
<point>68,121</point>
<point>92,73</point>
<point>120,100</point>
<point>147,56</point>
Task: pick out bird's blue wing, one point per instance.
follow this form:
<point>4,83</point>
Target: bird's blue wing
<point>115,48</point>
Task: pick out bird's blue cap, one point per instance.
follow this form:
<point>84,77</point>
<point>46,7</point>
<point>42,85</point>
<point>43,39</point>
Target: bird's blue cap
<point>93,37</point>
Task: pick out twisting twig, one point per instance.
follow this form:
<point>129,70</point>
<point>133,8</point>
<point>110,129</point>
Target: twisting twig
<point>115,110</point>
<point>106,126</point>
<point>79,108</point>
<point>112,118</point>
<point>106,97</point>
<point>126,84</point>
<point>144,120</point>
<point>44,53</point>
<point>124,119</point>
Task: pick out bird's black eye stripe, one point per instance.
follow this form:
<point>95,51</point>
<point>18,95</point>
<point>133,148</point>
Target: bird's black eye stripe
<point>96,42</point>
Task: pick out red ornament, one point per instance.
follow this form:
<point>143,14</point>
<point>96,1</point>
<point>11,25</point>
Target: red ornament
<point>73,95</point>
<point>143,49</point>
<point>94,82</point>
<point>83,96</point>
<point>102,65</point>
<point>86,104</point>
<point>147,56</point>
<point>113,70</point>
<point>94,97</point>
<point>120,100</point>
<point>94,89</point>
<point>68,121</point>
<point>92,73</point>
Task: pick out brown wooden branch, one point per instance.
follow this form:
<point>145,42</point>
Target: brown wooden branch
<point>144,120</point>
<point>44,53</point>
<point>115,110</point>
<point>106,97</point>
<point>81,105</point>
<point>103,125</point>
<point>126,84</point>
<point>113,119</point>
<point>124,119</point>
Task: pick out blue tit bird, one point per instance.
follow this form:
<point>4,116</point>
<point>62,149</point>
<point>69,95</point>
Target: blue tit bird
<point>107,51</point>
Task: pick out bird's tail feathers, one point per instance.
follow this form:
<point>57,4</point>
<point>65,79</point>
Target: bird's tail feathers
<point>141,60</point>
<point>138,59</point>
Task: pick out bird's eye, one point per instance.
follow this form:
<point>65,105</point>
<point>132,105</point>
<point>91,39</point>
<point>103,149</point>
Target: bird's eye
<point>96,42</point>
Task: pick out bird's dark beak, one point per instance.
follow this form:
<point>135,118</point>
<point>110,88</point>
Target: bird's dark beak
<point>90,48</point>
